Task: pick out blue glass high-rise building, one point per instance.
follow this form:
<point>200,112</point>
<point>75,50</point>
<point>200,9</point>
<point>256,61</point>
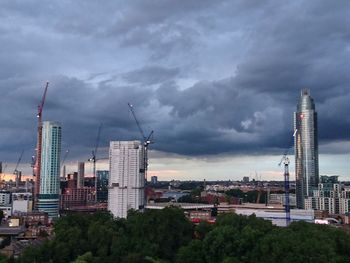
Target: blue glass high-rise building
<point>48,200</point>
<point>306,148</point>
<point>102,185</point>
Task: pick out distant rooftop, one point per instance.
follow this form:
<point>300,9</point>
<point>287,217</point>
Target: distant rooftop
<point>185,206</point>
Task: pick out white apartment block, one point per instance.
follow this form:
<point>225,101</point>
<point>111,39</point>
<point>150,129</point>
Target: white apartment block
<point>22,202</point>
<point>334,199</point>
<point>126,177</point>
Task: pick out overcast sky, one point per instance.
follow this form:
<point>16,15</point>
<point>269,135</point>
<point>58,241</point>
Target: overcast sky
<point>217,81</point>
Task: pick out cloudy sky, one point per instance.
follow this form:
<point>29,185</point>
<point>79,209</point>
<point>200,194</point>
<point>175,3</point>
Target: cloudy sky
<point>217,81</point>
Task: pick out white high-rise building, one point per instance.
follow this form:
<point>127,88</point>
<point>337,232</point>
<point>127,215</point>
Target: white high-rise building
<point>126,177</point>
<point>22,202</point>
<point>48,200</point>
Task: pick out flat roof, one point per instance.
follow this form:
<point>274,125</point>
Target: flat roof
<point>185,206</point>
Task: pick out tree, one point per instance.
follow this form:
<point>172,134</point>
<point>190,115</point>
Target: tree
<point>192,253</point>
<point>158,234</point>
<point>85,258</point>
<point>203,229</point>
<point>303,242</point>
<point>234,237</point>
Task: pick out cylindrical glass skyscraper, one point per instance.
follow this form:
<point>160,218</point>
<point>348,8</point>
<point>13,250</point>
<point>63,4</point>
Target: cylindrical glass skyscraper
<point>306,148</point>
<point>48,200</point>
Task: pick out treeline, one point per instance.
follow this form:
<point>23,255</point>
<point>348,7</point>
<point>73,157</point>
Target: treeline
<point>162,236</point>
<point>248,197</point>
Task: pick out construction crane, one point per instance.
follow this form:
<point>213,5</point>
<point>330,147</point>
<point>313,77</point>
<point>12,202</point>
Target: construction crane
<point>37,165</point>
<point>94,159</point>
<point>285,161</point>
<point>64,159</point>
<point>259,186</point>
<point>18,162</point>
<point>16,172</point>
<point>286,152</point>
<point>145,140</point>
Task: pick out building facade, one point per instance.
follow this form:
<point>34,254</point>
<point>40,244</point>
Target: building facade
<point>102,185</point>
<point>306,148</point>
<point>48,200</point>
<point>154,179</point>
<point>22,202</point>
<point>73,196</point>
<point>330,196</point>
<point>126,177</point>
<point>81,174</point>
<point>5,198</point>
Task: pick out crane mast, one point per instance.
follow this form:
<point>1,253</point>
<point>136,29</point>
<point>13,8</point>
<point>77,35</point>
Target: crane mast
<point>37,165</point>
<point>18,162</point>
<point>285,160</point>
<point>62,163</point>
<point>94,159</point>
<point>17,173</point>
<point>146,142</point>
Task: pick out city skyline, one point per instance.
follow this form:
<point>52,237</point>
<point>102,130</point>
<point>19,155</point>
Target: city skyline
<point>216,82</point>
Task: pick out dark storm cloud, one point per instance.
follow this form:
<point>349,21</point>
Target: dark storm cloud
<point>223,117</point>
<point>209,77</point>
<point>78,106</point>
<point>150,75</point>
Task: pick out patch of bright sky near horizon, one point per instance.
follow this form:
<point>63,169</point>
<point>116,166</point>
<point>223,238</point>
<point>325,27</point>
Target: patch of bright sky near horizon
<point>222,168</point>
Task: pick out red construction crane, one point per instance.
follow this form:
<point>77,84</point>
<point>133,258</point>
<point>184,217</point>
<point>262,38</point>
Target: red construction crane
<point>37,165</point>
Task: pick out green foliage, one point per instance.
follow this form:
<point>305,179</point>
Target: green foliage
<point>193,197</point>
<point>41,253</point>
<point>43,233</point>
<point>191,185</point>
<point>192,253</point>
<point>235,193</point>
<point>86,258</point>
<point>202,229</point>
<point>158,234</point>
<point>249,197</point>
<point>187,199</point>
<point>304,242</point>
<point>5,242</point>
<point>164,236</point>
<point>5,259</point>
